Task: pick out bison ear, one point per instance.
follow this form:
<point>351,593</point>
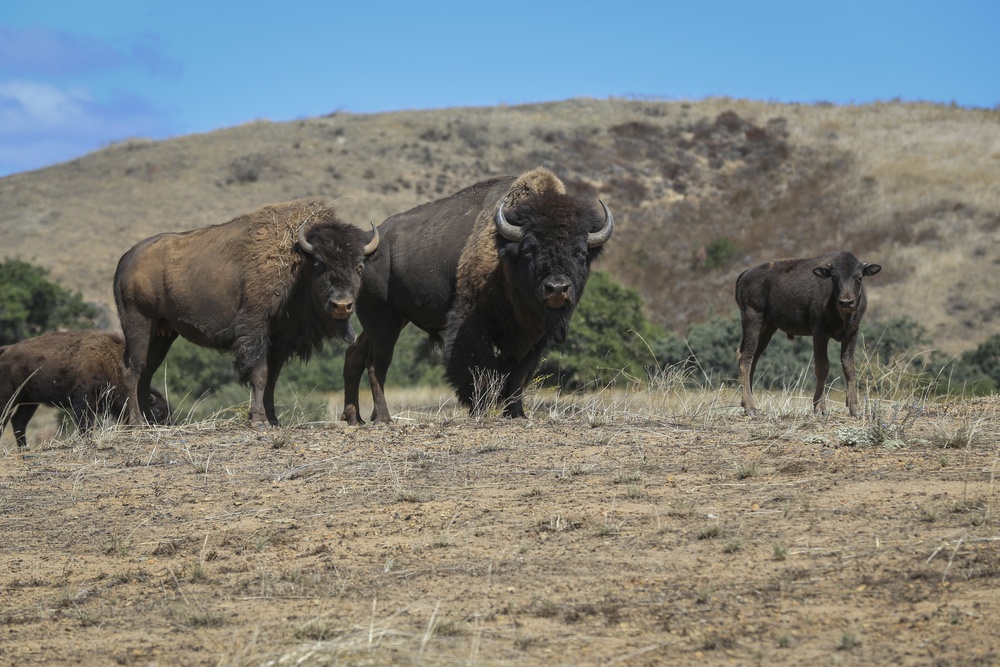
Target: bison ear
<point>822,271</point>
<point>871,269</point>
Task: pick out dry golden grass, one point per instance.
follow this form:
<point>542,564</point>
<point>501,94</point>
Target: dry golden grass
<point>628,527</point>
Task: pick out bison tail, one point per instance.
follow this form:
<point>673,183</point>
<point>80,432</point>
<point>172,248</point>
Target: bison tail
<point>435,341</point>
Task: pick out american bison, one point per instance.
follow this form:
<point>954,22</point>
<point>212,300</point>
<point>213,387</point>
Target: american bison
<point>79,371</point>
<point>264,286</point>
<point>498,268</point>
<point>820,297</point>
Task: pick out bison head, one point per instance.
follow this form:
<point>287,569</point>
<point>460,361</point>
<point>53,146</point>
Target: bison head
<point>846,274</point>
<point>337,253</point>
<point>547,242</point>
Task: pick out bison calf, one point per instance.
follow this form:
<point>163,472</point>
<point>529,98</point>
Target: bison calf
<point>820,297</point>
<point>79,371</point>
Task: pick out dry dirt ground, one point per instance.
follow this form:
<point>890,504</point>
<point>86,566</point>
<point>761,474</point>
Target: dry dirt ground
<point>582,536</point>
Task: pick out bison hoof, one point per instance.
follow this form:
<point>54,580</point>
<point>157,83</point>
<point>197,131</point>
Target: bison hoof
<point>350,415</point>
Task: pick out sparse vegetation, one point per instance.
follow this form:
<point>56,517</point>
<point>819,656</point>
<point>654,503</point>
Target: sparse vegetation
<point>635,507</point>
<point>543,521</point>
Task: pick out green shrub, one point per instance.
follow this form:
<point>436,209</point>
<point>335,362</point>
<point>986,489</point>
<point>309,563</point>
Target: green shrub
<point>610,339</point>
<point>31,304</point>
<point>986,358</point>
<point>889,339</point>
<point>717,253</point>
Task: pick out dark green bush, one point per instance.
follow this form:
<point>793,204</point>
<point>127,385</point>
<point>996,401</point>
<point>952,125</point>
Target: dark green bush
<point>610,339</point>
<point>31,304</point>
<point>986,358</point>
<point>889,339</point>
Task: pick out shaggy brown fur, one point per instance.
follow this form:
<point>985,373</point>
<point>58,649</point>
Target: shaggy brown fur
<point>271,261</point>
<point>479,261</point>
<point>80,371</point>
<point>247,286</point>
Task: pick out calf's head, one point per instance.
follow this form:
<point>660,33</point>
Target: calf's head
<point>546,245</point>
<point>337,254</point>
<point>846,273</point>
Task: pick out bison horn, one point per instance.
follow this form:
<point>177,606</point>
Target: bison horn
<point>373,244</point>
<point>305,245</point>
<point>595,239</point>
<point>507,230</point>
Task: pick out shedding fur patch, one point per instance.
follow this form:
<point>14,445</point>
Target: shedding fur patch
<point>272,232</point>
<point>479,260</point>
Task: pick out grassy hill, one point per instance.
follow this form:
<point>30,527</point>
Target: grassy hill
<point>700,190</point>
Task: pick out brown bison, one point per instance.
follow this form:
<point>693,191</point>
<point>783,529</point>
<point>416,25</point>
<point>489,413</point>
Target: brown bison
<point>79,371</point>
<point>264,286</point>
<point>820,297</point>
<point>498,268</point>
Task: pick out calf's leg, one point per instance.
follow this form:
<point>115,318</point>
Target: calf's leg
<point>820,344</point>
<point>756,336</point>
<point>847,363</point>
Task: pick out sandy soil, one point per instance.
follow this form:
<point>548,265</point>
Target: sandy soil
<point>575,537</point>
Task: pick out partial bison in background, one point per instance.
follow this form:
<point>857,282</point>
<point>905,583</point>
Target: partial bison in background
<point>498,267</point>
<point>79,371</point>
<point>265,286</point>
<point>820,297</point>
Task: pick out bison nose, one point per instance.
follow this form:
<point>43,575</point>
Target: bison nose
<point>846,304</point>
<point>341,310</point>
<point>557,291</point>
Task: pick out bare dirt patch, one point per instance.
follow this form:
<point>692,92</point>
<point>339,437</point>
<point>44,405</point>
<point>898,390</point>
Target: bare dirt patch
<point>570,538</point>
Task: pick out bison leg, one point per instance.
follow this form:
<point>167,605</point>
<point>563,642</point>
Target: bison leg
<point>472,366</point>
<point>144,353</point>
<point>518,381</point>
<point>19,422</point>
<point>355,360</point>
<point>847,363</point>
<point>756,336</point>
<point>258,381</point>
<point>158,349</point>
<point>820,344</point>
<point>273,370</point>
<point>382,345</point>
<point>138,339</point>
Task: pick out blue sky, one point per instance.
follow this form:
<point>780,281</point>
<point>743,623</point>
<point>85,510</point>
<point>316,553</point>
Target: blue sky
<point>76,76</point>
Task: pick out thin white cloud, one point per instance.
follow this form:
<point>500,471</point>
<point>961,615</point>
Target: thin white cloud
<point>41,124</point>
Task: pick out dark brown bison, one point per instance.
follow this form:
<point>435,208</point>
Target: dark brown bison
<point>820,297</point>
<point>498,268</point>
<point>79,371</point>
<point>265,286</point>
